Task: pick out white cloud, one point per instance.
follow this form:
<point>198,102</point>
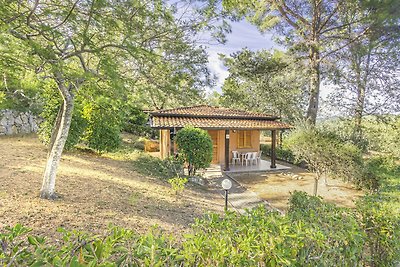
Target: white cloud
<point>217,67</point>
<point>243,35</point>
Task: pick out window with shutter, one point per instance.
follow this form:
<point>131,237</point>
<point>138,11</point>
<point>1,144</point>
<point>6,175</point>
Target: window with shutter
<point>244,139</point>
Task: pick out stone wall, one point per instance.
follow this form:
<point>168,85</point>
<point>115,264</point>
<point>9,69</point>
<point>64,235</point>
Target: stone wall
<point>14,122</point>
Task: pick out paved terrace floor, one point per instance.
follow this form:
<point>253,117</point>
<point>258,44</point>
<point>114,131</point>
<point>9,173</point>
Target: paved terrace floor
<point>240,198</point>
<point>262,166</point>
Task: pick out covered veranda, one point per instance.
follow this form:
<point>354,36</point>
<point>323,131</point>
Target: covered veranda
<point>230,130</point>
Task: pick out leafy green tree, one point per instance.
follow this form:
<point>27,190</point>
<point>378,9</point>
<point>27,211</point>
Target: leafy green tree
<point>269,82</point>
<point>136,122</point>
<point>18,83</point>
<point>366,71</point>
<point>214,99</point>
<point>380,133</point>
<point>196,148</point>
<point>74,43</point>
<point>52,102</point>
<point>175,81</point>
<point>325,154</point>
<point>312,29</point>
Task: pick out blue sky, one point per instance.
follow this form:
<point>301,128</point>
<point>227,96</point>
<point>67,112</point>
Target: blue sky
<point>243,35</point>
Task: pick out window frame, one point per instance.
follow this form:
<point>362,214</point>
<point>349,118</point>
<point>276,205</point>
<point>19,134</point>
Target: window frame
<point>245,133</point>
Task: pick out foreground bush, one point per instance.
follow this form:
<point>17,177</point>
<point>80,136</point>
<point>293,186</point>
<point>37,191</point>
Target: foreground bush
<point>196,148</point>
<point>313,233</point>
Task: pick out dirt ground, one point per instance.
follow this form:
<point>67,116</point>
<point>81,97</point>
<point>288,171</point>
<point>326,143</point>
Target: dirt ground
<point>94,192</point>
<point>276,187</point>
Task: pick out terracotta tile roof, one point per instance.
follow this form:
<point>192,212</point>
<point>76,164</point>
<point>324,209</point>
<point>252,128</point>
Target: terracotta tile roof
<point>214,118</point>
<point>216,123</point>
<point>211,111</point>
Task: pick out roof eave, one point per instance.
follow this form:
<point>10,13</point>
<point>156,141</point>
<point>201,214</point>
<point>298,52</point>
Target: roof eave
<point>226,128</point>
<point>268,118</point>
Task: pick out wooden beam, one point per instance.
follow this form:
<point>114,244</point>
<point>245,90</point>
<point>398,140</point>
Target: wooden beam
<point>273,149</point>
<point>171,151</point>
<point>226,168</point>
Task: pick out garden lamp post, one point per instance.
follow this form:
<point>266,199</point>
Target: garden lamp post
<point>226,185</point>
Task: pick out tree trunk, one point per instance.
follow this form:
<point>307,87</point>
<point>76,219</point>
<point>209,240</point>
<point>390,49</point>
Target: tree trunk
<point>56,126</point>
<point>49,179</point>
<point>361,91</point>
<point>358,112</point>
<point>315,186</point>
<point>326,180</point>
<point>316,180</point>
<point>314,85</point>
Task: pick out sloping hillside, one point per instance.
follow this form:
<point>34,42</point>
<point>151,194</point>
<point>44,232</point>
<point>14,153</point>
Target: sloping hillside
<point>94,192</point>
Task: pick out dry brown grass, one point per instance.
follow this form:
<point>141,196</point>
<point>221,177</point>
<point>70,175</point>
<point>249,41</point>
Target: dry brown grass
<point>94,192</point>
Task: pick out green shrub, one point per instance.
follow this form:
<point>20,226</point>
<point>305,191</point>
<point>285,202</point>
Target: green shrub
<point>96,122</point>
<point>103,125</point>
<point>381,223</point>
<point>325,154</point>
<point>196,147</point>
<point>53,101</point>
<point>178,184</point>
<point>376,169</point>
<point>262,238</point>
<point>338,228</point>
<point>120,247</point>
<point>313,233</point>
<point>153,166</point>
<point>281,153</point>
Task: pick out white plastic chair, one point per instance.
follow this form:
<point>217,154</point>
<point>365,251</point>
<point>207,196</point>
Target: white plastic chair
<point>235,157</point>
<point>248,157</point>
<point>254,157</point>
<point>258,158</point>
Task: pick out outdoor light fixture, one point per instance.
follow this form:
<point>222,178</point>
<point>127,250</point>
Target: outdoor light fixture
<point>226,185</point>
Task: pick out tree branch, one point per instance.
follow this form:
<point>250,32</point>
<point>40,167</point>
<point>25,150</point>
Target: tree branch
<point>28,18</point>
<point>297,16</point>
<point>66,18</point>
<point>340,26</point>
<point>286,17</point>
<point>343,46</point>
<point>329,16</point>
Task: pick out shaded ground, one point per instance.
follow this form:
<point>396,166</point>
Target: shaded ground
<point>276,187</point>
<point>95,191</point>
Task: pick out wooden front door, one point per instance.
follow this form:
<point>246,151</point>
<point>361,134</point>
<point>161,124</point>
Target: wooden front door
<point>214,137</point>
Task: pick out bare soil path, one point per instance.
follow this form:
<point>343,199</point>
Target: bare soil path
<point>94,191</point>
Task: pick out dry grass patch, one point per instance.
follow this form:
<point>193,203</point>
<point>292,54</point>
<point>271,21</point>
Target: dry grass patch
<point>94,192</point>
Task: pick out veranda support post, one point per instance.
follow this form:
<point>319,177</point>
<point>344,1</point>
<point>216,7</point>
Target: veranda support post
<point>273,149</point>
<point>226,168</point>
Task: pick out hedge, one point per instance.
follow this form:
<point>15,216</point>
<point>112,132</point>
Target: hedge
<point>281,154</point>
<point>313,233</point>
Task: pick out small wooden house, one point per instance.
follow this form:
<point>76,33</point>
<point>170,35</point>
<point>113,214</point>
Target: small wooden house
<point>230,129</point>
